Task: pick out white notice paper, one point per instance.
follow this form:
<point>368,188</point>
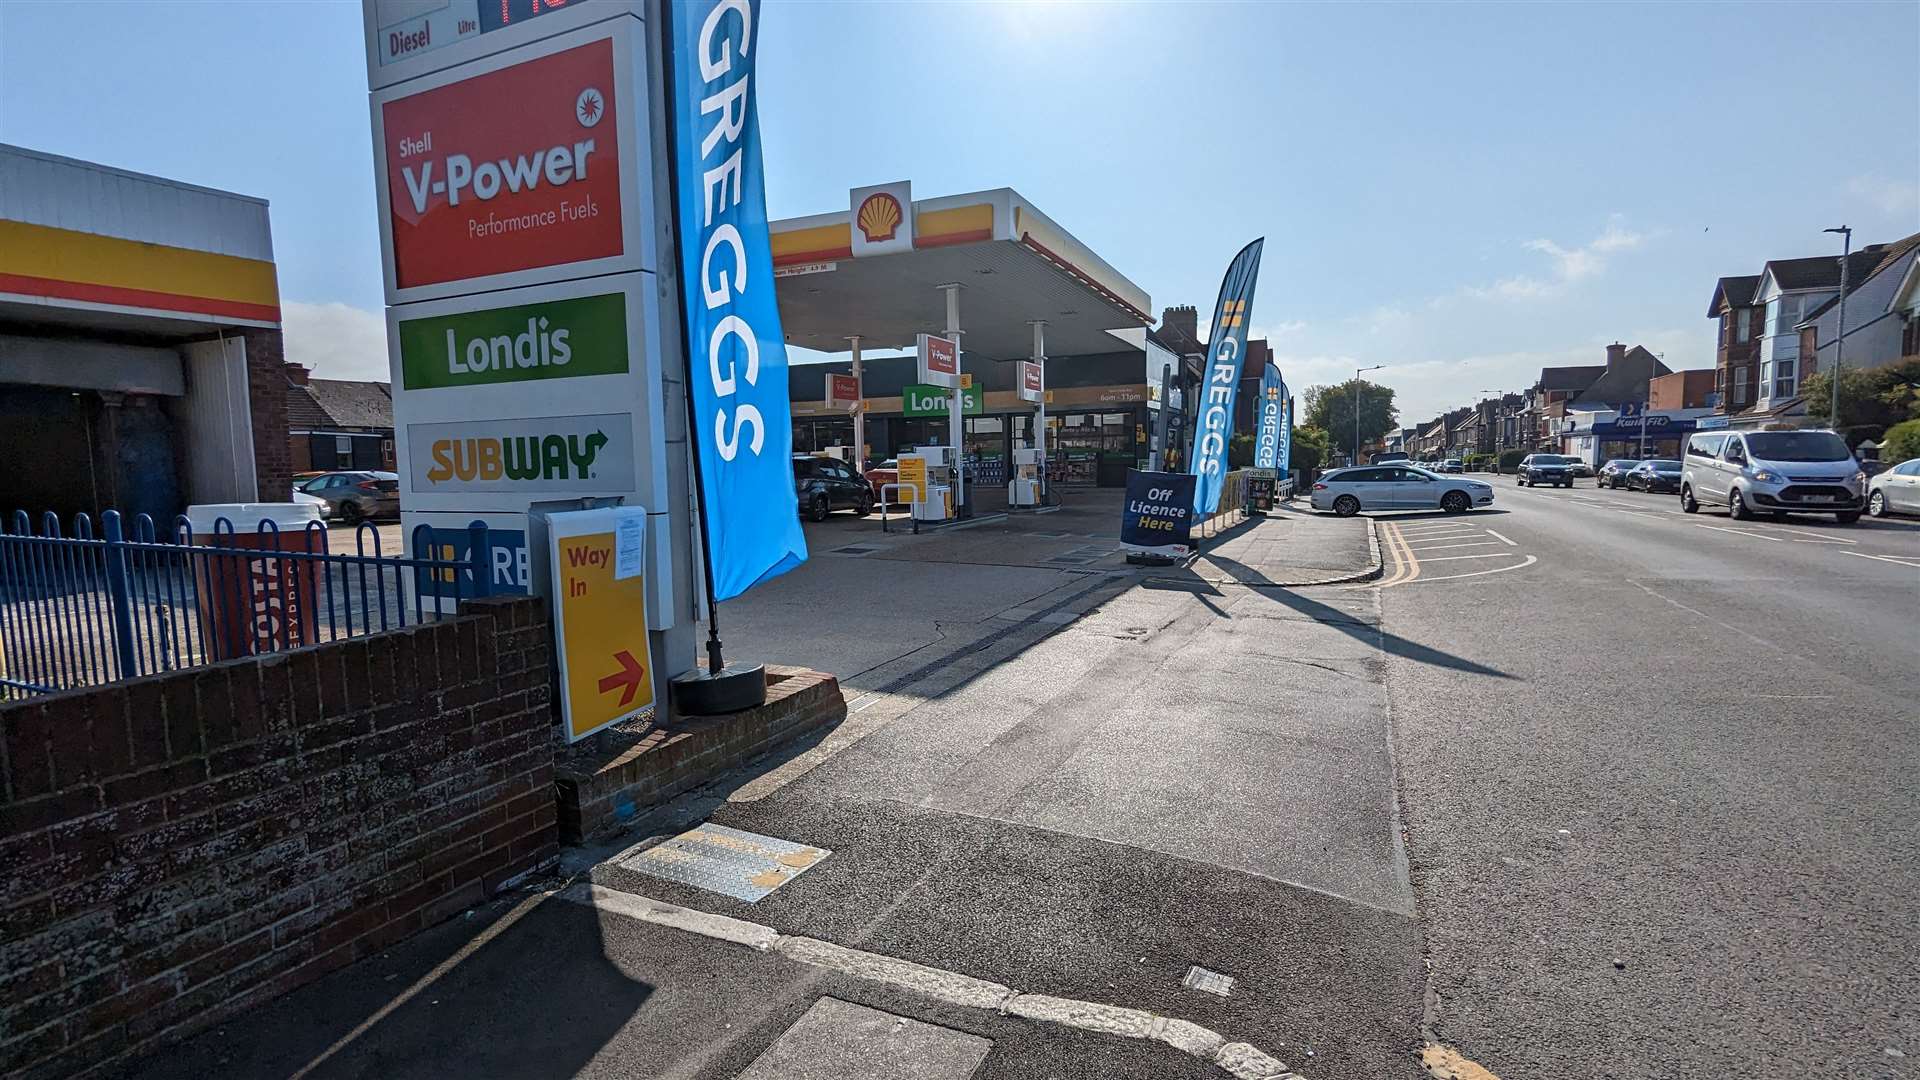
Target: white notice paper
<point>629,545</point>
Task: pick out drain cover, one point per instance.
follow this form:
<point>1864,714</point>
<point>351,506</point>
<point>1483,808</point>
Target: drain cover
<point>743,865</point>
<point>1199,978</point>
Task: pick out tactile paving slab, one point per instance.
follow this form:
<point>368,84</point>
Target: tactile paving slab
<point>743,865</point>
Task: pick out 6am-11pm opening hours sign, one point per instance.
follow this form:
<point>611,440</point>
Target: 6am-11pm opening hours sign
<point>520,168</point>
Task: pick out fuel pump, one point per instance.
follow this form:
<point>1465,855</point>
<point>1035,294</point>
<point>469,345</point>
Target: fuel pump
<point>1023,489</point>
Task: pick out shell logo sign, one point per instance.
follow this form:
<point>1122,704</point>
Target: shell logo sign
<point>510,170</point>
<point>879,217</point>
<point>882,219</point>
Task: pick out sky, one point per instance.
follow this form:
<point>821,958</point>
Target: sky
<point>1463,193</point>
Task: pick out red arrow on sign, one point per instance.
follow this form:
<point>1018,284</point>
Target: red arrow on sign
<point>630,675</point>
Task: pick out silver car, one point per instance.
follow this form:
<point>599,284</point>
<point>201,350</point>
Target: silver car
<point>1896,491</point>
<point>1346,492</point>
<point>1776,472</point>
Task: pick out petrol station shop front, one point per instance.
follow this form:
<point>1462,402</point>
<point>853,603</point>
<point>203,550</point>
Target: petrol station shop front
<point>1097,413</point>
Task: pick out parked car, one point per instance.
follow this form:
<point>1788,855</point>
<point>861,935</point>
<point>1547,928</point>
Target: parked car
<point>1346,492</point>
<point>1778,472</point>
<point>354,496</point>
<point>887,472</point>
<point>822,485</point>
<point>1537,469</point>
<point>1385,457</point>
<point>1896,490</point>
<point>1657,474</point>
<point>1452,465</point>
<point>1579,466</point>
<point>1614,473</point>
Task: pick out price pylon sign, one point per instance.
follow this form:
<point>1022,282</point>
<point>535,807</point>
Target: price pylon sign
<point>598,567</point>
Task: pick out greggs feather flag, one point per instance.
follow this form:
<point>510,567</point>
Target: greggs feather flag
<point>1272,404</point>
<point>1225,344</point>
<point>737,357</point>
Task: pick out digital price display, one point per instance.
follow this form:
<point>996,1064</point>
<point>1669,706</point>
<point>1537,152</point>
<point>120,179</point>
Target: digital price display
<point>495,14</point>
<point>406,28</point>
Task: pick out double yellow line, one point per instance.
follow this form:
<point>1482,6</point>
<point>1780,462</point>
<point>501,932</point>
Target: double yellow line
<point>1406,567</point>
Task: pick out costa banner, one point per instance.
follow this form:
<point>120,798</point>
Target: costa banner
<point>1224,347</point>
<point>1273,402</point>
<point>736,354</point>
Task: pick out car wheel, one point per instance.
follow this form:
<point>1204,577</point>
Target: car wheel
<point>1687,503</point>
<point>1847,518</point>
<point>1877,505</point>
<point>1346,506</point>
<point>1737,505</point>
<point>819,508</point>
<point>866,504</point>
<point>351,514</point>
<point>1455,502</point>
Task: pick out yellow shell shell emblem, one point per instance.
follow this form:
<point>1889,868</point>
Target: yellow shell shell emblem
<point>879,217</point>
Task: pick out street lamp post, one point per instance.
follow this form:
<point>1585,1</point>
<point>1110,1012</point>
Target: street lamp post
<point>1840,333</point>
<point>1356,408</point>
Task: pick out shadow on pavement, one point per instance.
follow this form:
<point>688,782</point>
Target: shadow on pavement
<point>518,987</point>
<point>1343,621</point>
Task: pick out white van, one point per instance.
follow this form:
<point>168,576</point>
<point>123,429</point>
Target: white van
<point>1776,472</point>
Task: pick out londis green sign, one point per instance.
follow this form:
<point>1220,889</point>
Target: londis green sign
<point>551,339</point>
<point>921,400</point>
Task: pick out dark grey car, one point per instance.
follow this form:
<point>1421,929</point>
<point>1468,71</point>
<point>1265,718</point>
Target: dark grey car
<point>824,484</point>
<point>354,496</point>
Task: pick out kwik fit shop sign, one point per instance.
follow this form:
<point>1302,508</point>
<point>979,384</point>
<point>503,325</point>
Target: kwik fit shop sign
<point>1225,345</point>
<point>737,356</point>
<point>553,339</point>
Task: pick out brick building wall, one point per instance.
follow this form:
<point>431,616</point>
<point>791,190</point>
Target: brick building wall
<point>267,394</point>
<point>178,848</point>
<point>1680,390</point>
<point>1735,356</point>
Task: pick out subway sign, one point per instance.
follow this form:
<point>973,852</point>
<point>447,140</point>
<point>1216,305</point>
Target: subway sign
<point>923,400</point>
<point>510,170</point>
<point>546,453</point>
<point>551,339</point>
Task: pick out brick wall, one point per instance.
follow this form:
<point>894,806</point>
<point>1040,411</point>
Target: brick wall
<point>177,848</point>
<point>267,394</point>
<point>607,778</point>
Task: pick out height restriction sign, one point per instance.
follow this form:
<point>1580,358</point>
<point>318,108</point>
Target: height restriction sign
<point>598,573</point>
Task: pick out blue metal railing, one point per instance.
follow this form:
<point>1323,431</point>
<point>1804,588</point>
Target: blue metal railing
<point>79,610</point>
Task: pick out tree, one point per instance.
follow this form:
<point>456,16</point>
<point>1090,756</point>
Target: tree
<point>1871,399</point>
<point>1307,450</point>
<point>1902,443</point>
<point>1330,408</point>
<point>1240,452</point>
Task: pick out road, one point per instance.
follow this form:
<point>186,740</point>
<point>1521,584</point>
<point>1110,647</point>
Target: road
<point>1673,834</point>
<point>1581,787</point>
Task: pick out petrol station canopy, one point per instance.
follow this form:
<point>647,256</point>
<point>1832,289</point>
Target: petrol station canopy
<point>1015,264</point>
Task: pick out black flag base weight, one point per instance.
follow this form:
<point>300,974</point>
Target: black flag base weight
<point>733,688</point>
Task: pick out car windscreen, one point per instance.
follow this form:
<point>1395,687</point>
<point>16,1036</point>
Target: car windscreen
<point>1664,466</point>
<point>1549,459</point>
<point>1623,463</point>
<point>1797,446</point>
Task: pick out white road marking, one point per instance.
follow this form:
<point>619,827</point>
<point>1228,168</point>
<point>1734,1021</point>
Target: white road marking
<point>1488,555</point>
<point>1899,560</point>
<point>1531,559</point>
<point>1501,538</point>
<point>1740,532</point>
<point>1422,530</point>
<point>1471,544</point>
<point>949,987</point>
